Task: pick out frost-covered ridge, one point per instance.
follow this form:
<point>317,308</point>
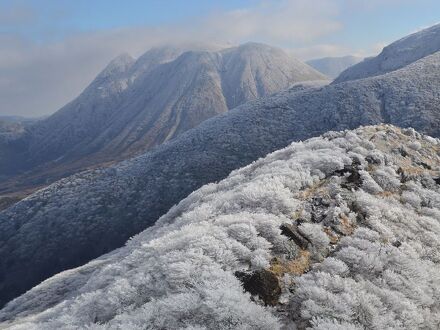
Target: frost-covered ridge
<point>337,232</point>
<point>396,55</point>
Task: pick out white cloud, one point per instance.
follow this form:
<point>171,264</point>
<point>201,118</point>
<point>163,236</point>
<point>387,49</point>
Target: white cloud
<point>288,21</point>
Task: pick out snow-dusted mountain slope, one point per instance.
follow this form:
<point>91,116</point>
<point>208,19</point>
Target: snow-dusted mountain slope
<point>86,215</point>
<point>83,118</point>
<point>396,55</point>
<point>333,66</point>
<point>337,232</point>
<point>133,106</point>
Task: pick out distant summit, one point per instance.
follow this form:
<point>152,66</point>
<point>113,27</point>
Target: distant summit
<point>333,66</point>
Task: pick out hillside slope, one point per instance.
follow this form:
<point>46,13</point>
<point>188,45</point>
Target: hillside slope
<point>94,212</point>
<point>133,105</point>
<point>80,120</point>
<point>337,232</point>
<point>333,66</point>
<point>396,55</point>
<point>11,148</point>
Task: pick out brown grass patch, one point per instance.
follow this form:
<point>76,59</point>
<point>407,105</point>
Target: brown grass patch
<point>386,194</point>
<point>346,224</point>
<point>297,266</point>
<point>334,238</point>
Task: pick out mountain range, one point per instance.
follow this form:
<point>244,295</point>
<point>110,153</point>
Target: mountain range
<point>135,105</point>
<point>91,213</point>
<point>337,232</point>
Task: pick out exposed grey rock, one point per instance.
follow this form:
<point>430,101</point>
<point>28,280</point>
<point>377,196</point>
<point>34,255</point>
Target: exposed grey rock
<point>291,231</point>
<point>263,284</point>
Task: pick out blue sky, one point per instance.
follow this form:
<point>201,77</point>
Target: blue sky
<point>51,49</point>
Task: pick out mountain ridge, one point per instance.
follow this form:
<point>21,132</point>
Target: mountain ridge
<point>396,55</point>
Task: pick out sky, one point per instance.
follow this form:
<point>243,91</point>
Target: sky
<point>51,49</point>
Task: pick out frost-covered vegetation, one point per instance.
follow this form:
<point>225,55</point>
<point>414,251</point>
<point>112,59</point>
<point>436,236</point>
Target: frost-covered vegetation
<point>337,232</point>
<point>91,213</point>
